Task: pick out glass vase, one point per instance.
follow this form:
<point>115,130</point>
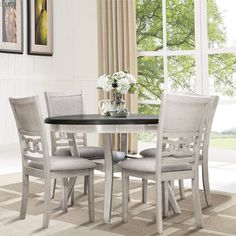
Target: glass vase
<point>114,107</point>
<point>118,105</point>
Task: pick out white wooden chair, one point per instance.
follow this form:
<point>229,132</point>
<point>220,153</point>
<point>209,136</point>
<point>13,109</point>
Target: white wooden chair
<point>180,130</point>
<point>203,160</point>
<point>37,162</point>
<point>59,104</point>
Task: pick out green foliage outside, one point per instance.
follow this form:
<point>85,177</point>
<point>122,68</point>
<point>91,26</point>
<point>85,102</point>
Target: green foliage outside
<point>225,139</point>
<point>180,36</point>
<point>224,142</point>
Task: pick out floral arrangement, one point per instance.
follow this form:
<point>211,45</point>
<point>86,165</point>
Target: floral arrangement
<point>120,82</point>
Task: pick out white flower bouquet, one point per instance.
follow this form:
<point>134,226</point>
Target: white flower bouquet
<point>120,82</point>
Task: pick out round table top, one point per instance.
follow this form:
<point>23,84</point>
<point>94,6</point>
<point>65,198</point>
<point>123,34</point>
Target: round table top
<point>95,119</point>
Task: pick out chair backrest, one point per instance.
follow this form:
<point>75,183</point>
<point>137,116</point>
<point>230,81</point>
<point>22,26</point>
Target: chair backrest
<point>181,127</point>
<point>59,104</point>
<point>31,130</point>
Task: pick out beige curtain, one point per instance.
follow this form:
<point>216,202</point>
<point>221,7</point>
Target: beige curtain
<point>117,49</point>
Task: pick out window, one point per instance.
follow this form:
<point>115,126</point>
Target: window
<point>188,46</point>
<point>167,54</point>
<point>222,72</point>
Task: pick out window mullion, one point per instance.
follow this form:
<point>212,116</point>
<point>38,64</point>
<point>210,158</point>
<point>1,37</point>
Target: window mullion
<point>165,59</point>
<point>204,47</point>
<point>221,50</point>
<point>197,21</point>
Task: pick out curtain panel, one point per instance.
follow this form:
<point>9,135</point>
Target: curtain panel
<point>117,51</point>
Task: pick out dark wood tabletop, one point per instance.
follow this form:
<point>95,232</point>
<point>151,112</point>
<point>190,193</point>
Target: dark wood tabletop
<point>94,119</point>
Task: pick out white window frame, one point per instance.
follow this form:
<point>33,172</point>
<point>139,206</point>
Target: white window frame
<point>200,53</point>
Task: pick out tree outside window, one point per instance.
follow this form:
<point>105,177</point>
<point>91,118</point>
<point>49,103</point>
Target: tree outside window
<point>168,51</point>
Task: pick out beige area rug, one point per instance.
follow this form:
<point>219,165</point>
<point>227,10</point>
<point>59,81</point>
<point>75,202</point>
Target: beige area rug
<point>220,219</point>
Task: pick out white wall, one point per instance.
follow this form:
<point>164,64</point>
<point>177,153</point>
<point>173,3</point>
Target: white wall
<point>86,51</point>
<point>73,66</point>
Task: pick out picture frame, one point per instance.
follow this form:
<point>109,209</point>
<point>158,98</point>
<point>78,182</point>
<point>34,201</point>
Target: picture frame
<point>40,27</point>
<point>11,26</point>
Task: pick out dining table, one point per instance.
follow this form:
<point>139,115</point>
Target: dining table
<point>106,125</point>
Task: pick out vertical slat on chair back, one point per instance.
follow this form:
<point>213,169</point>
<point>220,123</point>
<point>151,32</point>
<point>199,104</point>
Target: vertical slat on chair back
<point>31,129</point>
<point>209,121</point>
<point>182,123</point>
<point>59,104</point>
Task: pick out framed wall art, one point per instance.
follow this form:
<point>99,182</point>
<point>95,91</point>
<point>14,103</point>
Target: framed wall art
<point>11,26</point>
<point>40,27</point>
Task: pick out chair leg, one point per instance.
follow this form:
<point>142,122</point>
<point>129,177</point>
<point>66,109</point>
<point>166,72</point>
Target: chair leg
<point>144,190</point>
<point>71,192</point>
<point>72,197</point>
<point>85,185</point>
<point>196,202</point>
<point>65,194</point>
<point>181,189</point>
<point>173,203</point>
<point>206,184</point>
<point>90,182</point>
<point>159,207</point>
<point>165,198</point>
<point>53,188</point>
<point>47,198</point>
<point>125,196</point>
<point>24,200</point>
<point>172,184</point>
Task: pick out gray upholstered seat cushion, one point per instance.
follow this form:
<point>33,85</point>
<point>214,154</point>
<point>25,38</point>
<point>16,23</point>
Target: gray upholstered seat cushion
<point>91,153</point>
<point>149,164</point>
<point>151,152</point>
<point>65,163</point>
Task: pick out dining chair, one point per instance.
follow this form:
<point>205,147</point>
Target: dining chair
<point>203,159</point>
<point>59,104</point>
<point>180,130</point>
<point>37,162</point>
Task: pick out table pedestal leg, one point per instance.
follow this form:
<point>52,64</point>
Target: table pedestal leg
<point>108,178</point>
